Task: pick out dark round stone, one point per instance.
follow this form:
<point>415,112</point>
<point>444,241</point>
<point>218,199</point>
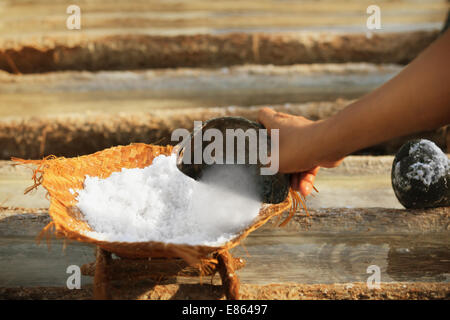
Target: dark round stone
<point>271,188</point>
<point>421,175</point>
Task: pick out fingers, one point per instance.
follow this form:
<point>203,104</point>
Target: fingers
<point>304,181</point>
<point>306,187</point>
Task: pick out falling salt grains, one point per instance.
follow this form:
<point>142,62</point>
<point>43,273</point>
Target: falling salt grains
<point>159,203</point>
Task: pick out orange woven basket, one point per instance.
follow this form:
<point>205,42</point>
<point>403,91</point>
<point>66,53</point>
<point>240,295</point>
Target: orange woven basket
<point>59,175</point>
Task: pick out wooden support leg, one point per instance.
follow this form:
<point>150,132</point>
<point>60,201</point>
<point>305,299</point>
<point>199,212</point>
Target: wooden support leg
<point>230,280</point>
<point>101,278</point>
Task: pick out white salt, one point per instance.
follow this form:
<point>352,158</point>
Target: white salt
<point>434,166</point>
<point>159,203</point>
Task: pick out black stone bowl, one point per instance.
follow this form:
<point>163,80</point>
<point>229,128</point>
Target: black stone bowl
<point>271,188</point>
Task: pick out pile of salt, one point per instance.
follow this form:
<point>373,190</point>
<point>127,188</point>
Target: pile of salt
<point>159,203</point>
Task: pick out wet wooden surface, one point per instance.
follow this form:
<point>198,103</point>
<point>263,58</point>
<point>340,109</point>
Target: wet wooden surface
<point>333,246</point>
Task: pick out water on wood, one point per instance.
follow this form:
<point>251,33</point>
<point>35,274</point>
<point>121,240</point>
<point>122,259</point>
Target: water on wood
<point>275,256</point>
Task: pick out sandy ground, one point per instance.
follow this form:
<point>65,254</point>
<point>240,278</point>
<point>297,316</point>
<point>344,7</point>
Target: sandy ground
<point>356,291</point>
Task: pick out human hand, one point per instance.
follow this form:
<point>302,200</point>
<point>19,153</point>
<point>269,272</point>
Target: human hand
<point>299,147</point>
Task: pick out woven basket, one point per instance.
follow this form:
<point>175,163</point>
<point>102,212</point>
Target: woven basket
<point>58,175</point>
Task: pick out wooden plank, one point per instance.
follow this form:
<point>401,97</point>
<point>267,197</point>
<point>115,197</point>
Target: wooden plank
<point>74,135</point>
<point>33,54</point>
<point>330,220</point>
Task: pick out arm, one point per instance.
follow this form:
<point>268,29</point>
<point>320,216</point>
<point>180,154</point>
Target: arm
<point>417,99</point>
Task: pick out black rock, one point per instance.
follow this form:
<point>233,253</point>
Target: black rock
<point>421,175</point>
<point>272,188</point>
